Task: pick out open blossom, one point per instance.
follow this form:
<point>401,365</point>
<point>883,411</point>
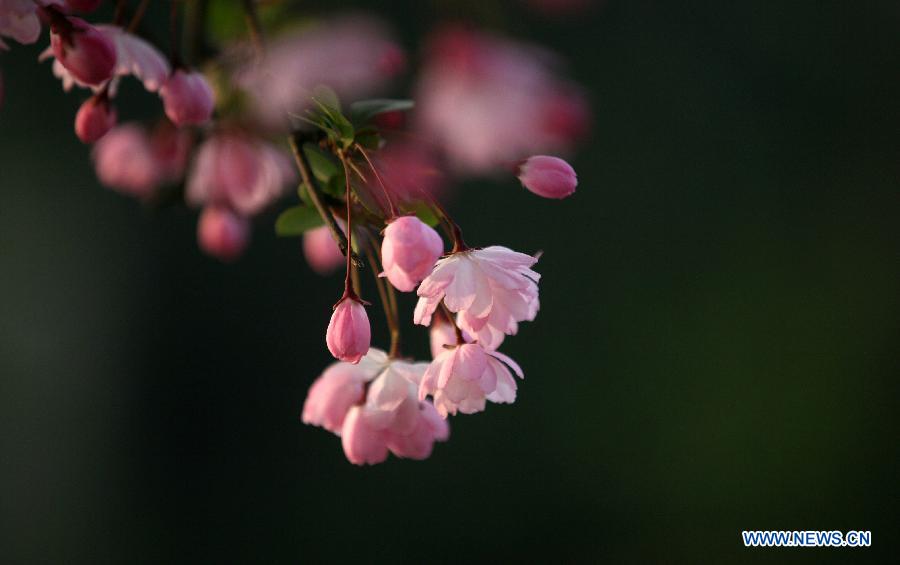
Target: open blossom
<point>387,417</point>
<point>222,233</point>
<point>321,250</point>
<point>19,20</point>
<point>95,117</point>
<point>464,377</point>
<point>546,176</point>
<point>488,101</point>
<point>491,289</point>
<point>238,171</point>
<point>349,334</point>
<point>187,98</point>
<point>354,56</point>
<point>83,50</point>
<point>409,251</point>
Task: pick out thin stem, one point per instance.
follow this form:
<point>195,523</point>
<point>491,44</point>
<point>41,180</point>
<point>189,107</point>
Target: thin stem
<point>387,301</point>
<point>458,243</point>
<point>348,196</point>
<point>138,15</point>
<point>384,189</point>
<point>318,199</point>
<point>251,15</point>
<point>459,336</point>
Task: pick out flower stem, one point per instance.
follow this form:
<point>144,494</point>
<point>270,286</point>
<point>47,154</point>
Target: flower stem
<point>386,294</point>
<point>459,244</point>
<point>384,189</point>
<point>254,27</point>
<point>138,15</point>
<point>348,196</point>
<point>459,335</point>
<point>318,199</point>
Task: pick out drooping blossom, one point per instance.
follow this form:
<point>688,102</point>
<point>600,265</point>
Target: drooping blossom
<point>491,290</point>
<point>321,251</point>
<point>354,56</point>
<point>222,233</point>
<point>82,49</point>
<point>546,176</point>
<point>95,117</point>
<point>349,333</point>
<point>187,98</point>
<point>464,377</point>
<point>238,171</point>
<point>124,160</point>
<point>408,251</point>
<point>489,102</point>
<point>374,407</point>
<point>19,20</point>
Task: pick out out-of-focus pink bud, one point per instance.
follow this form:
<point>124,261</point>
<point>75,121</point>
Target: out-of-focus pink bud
<point>409,251</point>
<point>19,20</point>
<point>95,117</point>
<point>83,6</point>
<point>82,49</point>
<point>546,176</point>
<point>321,251</point>
<point>362,444</point>
<point>187,97</point>
<point>171,148</point>
<point>349,335</point>
<point>124,161</point>
<point>222,234</point>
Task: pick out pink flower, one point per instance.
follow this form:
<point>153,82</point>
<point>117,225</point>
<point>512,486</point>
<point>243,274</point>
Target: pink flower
<point>238,171</point>
<point>19,20</point>
<point>348,335</point>
<point>171,148</point>
<point>341,386</point>
<point>488,102</point>
<point>407,170</point>
<point>440,334</point>
<point>83,6</point>
<point>409,251</point>
<point>222,233</point>
<point>134,56</point>
<point>188,98</point>
<point>95,117</point>
<point>321,251</point>
<point>362,444</point>
<point>491,289</point>
<point>124,161</point>
<point>82,49</point>
<point>550,177</point>
<point>465,377</point>
<point>354,56</point>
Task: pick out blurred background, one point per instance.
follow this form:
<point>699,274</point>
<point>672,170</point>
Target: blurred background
<point>716,350</point>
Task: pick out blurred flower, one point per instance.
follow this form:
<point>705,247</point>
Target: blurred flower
<point>462,378</point>
<point>546,176</point>
<point>349,334</point>
<point>19,20</point>
<point>321,251</point>
<point>124,161</point>
<point>408,252</point>
<point>489,102</point>
<point>95,117</point>
<point>222,233</point>
<point>171,148</point>
<point>238,171</point>
<point>406,169</point>
<point>491,289</point>
<point>354,56</point>
<point>83,50</point>
<point>187,97</point>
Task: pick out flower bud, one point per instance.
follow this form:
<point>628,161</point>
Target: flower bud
<point>82,49</point>
<point>187,97</point>
<point>349,334</point>
<point>321,250</point>
<point>222,234</point>
<point>409,251</point>
<point>550,177</point>
<point>95,117</point>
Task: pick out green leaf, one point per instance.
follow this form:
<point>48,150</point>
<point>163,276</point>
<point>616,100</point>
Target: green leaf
<point>365,110</point>
<point>296,220</point>
<point>324,166</point>
<point>425,213</point>
<point>368,138</point>
<point>336,124</point>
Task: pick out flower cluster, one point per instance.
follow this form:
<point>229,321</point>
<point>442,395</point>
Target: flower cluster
<point>242,120</point>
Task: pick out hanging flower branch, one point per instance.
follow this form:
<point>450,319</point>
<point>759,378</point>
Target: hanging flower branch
<point>242,120</point>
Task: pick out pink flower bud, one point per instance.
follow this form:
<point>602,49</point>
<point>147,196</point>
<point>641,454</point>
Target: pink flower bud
<point>187,97</point>
<point>95,117</point>
<point>124,161</point>
<point>550,177</point>
<point>409,251</point>
<point>83,6</point>
<point>222,234</point>
<point>321,251</point>
<point>362,444</point>
<point>349,334</point>
<point>82,49</point>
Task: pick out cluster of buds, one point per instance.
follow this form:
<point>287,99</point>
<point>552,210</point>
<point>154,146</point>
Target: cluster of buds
<point>267,115</point>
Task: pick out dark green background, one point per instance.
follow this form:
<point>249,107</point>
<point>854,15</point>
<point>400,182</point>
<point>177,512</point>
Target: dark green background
<point>716,351</point>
